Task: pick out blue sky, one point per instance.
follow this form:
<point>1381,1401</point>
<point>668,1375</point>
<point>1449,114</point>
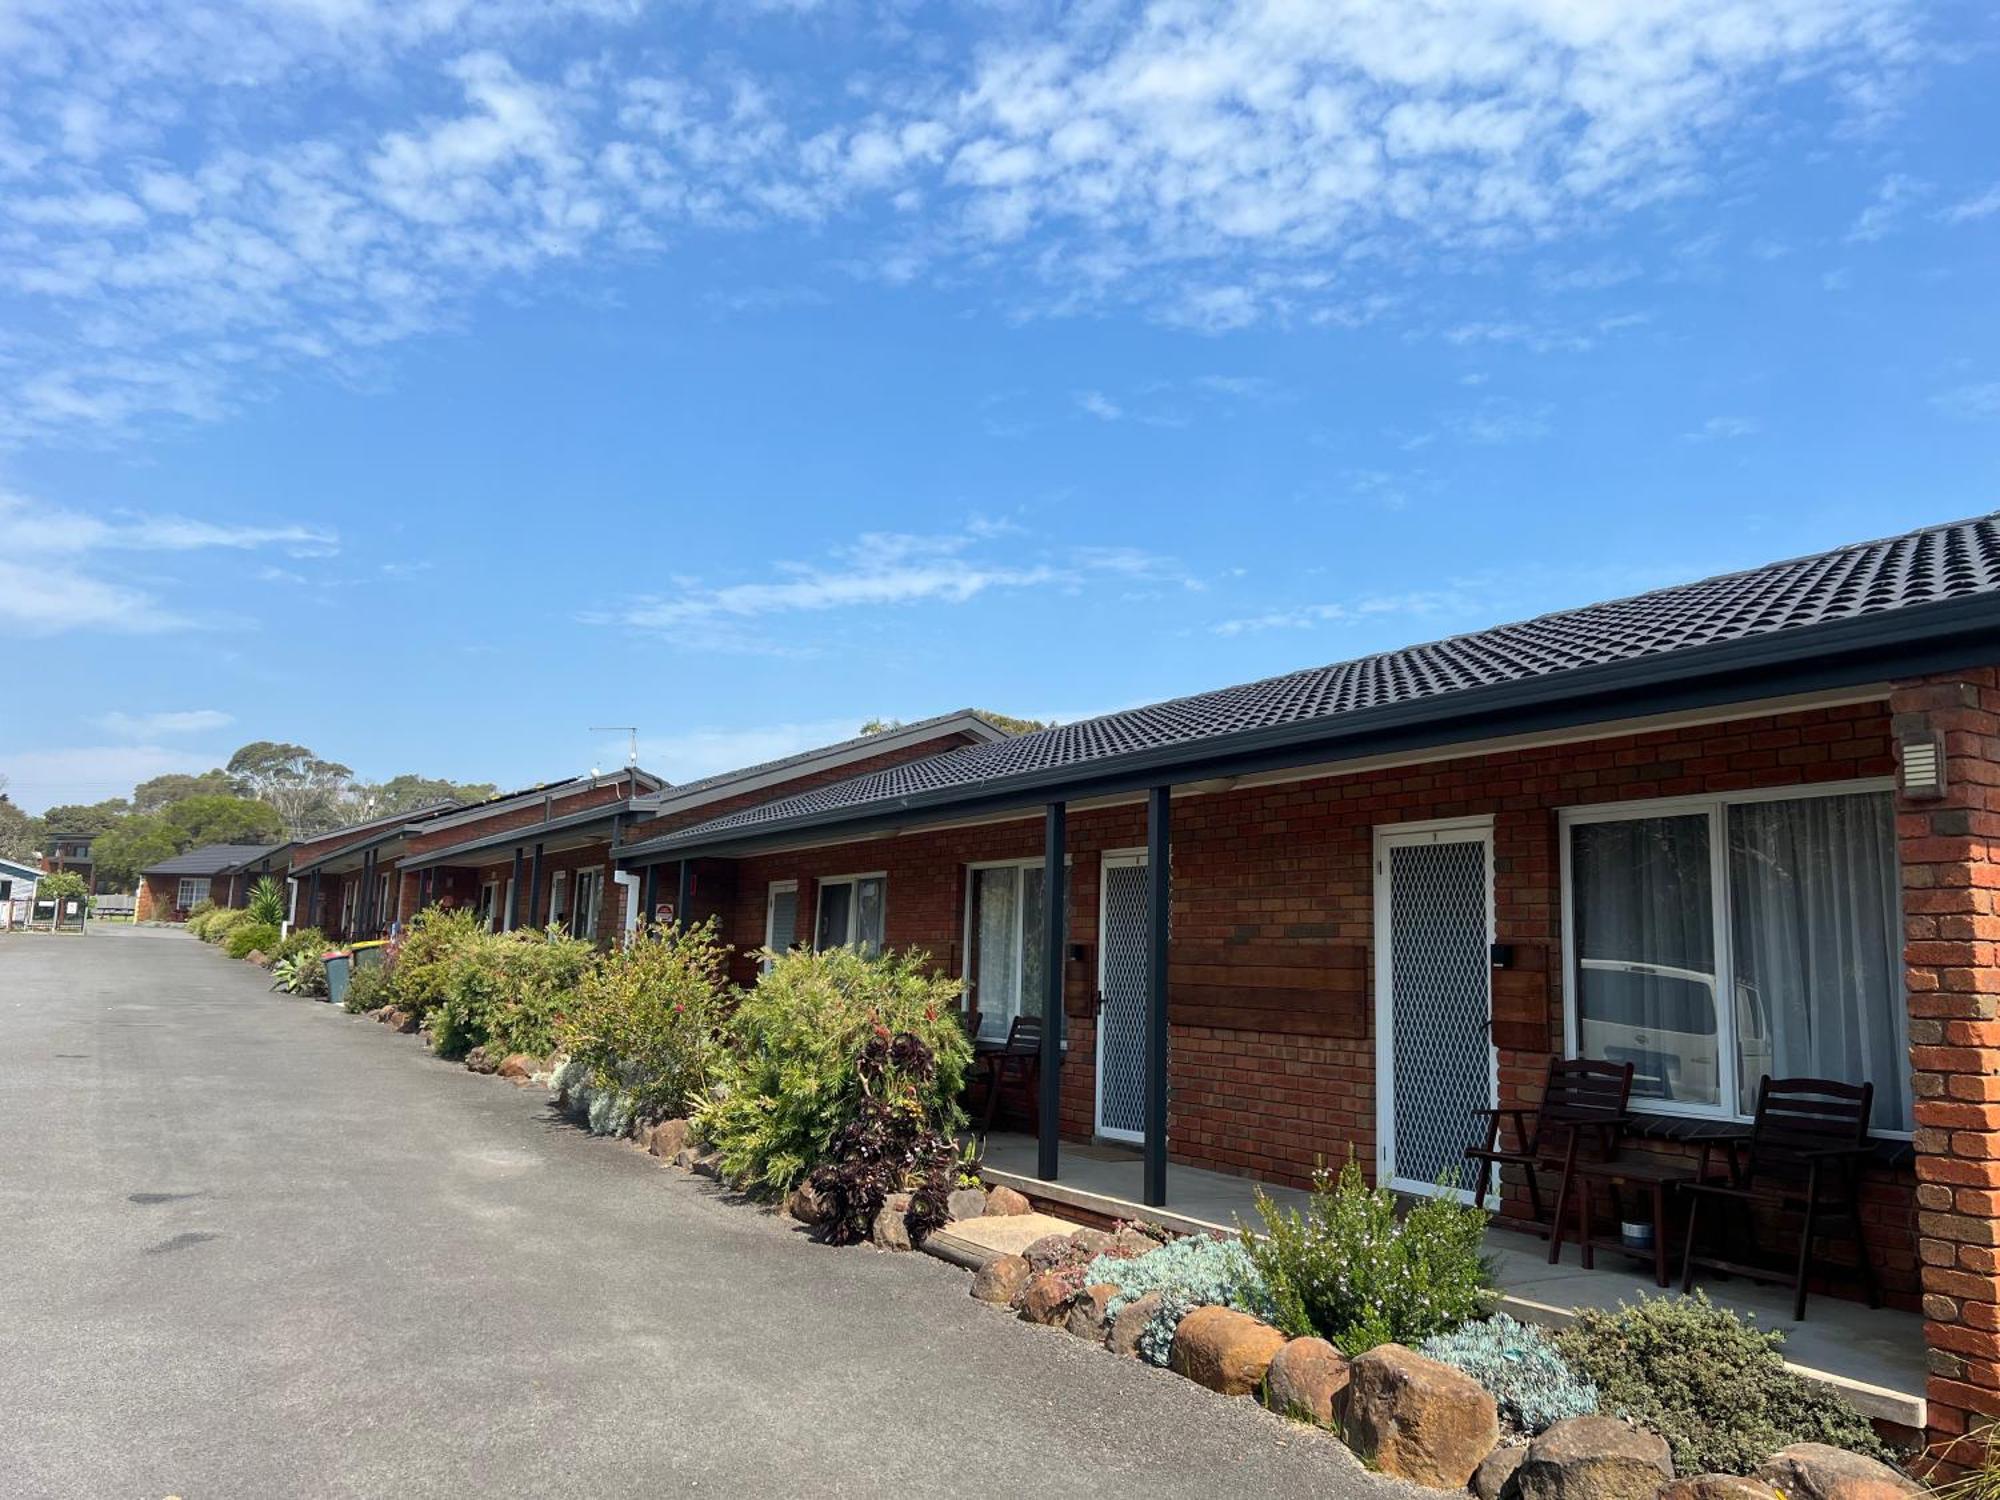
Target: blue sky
<point>429,382</point>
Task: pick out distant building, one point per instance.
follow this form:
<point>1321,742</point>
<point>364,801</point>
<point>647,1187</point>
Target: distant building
<point>17,891</point>
<point>222,873</point>
<point>71,851</point>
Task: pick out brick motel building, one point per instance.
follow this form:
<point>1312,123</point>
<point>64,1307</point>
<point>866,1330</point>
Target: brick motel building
<point>1735,828</point>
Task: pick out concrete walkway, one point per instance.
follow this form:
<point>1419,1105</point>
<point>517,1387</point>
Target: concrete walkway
<point>258,1248</point>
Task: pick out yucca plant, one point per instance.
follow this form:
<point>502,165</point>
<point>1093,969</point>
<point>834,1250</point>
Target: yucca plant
<point>267,903</point>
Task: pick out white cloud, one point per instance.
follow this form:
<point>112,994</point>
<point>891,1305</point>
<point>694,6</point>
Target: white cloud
<point>152,725</point>
<point>1723,428</point>
<point>1978,206</point>
<point>883,570</point>
<point>1216,165</point>
<point>1099,405</point>
<point>694,753</point>
<point>44,601</point>
<point>1418,604</point>
<point>45,590</point>
<point>1893,197</point>
<point>1977,402</point>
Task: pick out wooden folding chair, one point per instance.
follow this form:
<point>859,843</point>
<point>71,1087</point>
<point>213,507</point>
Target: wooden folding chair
<point>1807,1142</point>
<point>1582,1107</point>
<point>1018,1061</point>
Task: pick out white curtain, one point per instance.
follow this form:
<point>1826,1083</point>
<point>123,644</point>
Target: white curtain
<point>996,920</point>
<point>1645,944</point>
<point>1816,930</point>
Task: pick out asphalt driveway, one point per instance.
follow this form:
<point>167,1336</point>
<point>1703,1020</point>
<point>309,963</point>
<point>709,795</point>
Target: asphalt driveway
<point>250,1246</point>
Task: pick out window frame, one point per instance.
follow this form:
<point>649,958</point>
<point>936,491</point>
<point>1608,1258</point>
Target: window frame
<point>968,980</point>
<point>853,906</point>
<point>1715,806</point>
<point>559,912</point>
<point>589,877</point>
<point>198,884</point>
<point>771,893</point>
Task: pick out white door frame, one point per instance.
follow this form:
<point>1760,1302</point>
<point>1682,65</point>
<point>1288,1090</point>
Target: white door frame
<point>1107,861</point>
<point>1477,830</point>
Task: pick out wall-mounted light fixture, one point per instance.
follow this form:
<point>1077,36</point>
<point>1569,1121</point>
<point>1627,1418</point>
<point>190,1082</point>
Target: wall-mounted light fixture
<point>1920,749</point>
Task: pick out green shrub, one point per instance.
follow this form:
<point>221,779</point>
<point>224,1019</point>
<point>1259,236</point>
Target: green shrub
<point>422,967</point>
<point>645,1018</point>
<point>1351,1272</point>
<point>1198,1271</point>
<point>506,992</point>
<point>304,940</point>
<point>221,923</point>
<point>1713,1386</point>
<point>198,915</point>
<point>1533,1384</point>
<point>246,937</point>
<point>367,989</point>
<point>787,1080</point>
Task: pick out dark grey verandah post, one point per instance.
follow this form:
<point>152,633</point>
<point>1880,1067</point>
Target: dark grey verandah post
<point>535,890</point>
<point>514,893</point>
<point>652,894</point>
<point>1160,905</point>
<point>683,895</point>
<point>1055,904</point>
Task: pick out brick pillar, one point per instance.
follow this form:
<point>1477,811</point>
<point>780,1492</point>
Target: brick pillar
<point>1949,850</point>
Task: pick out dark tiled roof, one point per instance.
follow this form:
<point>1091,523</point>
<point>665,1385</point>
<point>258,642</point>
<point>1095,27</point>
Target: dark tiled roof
<point>805,757</point>
<point>1941,563</point>
<point>686,791</point>
<point>210,859</point>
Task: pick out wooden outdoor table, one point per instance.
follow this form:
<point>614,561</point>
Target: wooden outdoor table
<point>1656,1179</point>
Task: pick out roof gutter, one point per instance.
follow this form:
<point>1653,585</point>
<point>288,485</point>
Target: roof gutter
<point>1907,642</point>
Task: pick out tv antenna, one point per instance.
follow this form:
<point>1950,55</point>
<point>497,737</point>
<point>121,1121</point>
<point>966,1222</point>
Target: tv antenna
<point>631,731</point>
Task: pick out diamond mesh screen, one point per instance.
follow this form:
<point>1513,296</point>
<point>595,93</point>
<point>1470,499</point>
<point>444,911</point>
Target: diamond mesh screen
<point>1440,989</point>
<point>1121,1034</point>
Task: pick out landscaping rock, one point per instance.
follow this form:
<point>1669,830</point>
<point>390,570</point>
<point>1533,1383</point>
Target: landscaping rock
<point>1718,1487</point>
<point>1089,1315</point>
<point>1493,1478</point>
<point>1000,1280</point>
<point>1049,1251</point>
<point>687,1156</point>
<point>478,1062</point>
<point>1004,1200</point>
<point>1046,1298</point>
<point>1092,1242</point>
<point>1226,1350</point>
<point>388,1015</point>
<point>966,1203</point>
<point>256,956</point>
<point>808,1205</point>
<point>1594,1458</point>
<point>517,1066</point>
<point>405,1024</point>
<point>1134,1242</point>
<point>892,1223</point>
<point>666,1138</point>
<point>708,1164</point>
<point>1815,1471</point>
<point>1417,1419</point>
<point>1130,1322</point>
<point>1305,1381</point>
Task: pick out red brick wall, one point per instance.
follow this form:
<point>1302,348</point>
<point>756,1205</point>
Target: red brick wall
<point>1950,850</point>
<point>1272,1049</point>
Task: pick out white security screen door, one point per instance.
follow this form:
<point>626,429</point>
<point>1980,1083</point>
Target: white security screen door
<point>1434,1064</point>
<point>1121,989</point>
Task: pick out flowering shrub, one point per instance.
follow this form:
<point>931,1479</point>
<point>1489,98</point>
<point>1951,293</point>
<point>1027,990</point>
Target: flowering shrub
<point>788,1079</point>
<point>644,1019</point>
<point>1198,1271</point>
<point>1533,1384</point>
<point>1349,1271</point>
